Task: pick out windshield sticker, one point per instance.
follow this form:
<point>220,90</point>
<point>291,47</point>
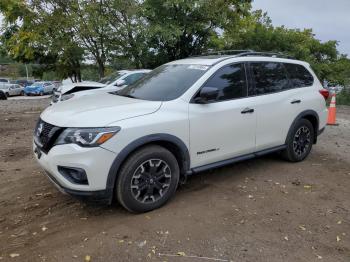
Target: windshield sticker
<point>198,67</point>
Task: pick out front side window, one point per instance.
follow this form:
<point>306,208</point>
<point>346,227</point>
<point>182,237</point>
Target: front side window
<point>299,75</point>
<point>165,83</point>
<point>269,77</point>
<point>231,82</point>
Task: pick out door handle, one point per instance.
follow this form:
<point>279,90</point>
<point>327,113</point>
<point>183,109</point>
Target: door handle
<point>296,101</point>
<point>247,111</point>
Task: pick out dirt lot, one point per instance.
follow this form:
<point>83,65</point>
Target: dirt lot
<point>260,210</point>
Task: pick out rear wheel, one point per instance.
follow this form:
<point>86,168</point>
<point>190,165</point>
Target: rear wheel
<point>22,93</point>
<point>7,94</point>
<point>300,142</point>
<point>148,179</point>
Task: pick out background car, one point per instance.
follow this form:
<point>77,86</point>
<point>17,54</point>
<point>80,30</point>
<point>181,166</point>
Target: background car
<point>39,88</point>
<point>22,82</point>
<point>113,82</point>
<point>12,89</point>
<point>2,95</point>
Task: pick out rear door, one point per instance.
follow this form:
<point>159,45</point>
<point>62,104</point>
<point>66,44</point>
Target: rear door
<point>223,128</point>
<point>277,103</point>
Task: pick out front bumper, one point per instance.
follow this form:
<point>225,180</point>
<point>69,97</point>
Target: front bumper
<point>95,161</point>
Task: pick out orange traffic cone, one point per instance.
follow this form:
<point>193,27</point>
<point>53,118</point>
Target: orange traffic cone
<point>332,112</point>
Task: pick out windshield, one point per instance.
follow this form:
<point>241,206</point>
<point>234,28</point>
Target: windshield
<point>165,83</point>
<point>111,78</point>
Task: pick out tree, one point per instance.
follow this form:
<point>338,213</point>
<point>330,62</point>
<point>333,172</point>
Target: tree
<point>256,32</point>
<point>181,28</point>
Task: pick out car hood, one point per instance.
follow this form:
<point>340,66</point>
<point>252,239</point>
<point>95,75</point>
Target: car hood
<point>97,111</point>
<point>76,87</point>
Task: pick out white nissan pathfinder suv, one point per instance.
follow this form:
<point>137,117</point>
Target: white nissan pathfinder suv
<point>182,118</point>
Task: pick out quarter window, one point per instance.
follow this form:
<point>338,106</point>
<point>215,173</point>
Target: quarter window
<point>231,82</point>
<point>299,76</point>
<point>269,77</point>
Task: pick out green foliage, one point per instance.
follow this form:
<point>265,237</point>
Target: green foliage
<point>60,35</point>
<point>344,97</point>
<point>49,76</point>
<point>181,28</point>
<point>90,72</point>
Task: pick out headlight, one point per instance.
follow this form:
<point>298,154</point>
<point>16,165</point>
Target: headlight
<point>87,137</point>
<point>66,97</point>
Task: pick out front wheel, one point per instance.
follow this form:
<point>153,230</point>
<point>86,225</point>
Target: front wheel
<point>148,179</point>
<point>300,141</point>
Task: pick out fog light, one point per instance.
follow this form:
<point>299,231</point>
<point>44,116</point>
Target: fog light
<point>74,174</point>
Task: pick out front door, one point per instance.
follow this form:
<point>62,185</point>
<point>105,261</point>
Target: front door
<point>225,127</point>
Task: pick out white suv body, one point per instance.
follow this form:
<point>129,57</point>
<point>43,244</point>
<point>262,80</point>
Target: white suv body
<point>114,82</point>
<point>224,109</point>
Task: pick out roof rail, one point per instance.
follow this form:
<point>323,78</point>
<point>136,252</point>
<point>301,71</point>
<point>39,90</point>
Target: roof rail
<point>270,54</point>
<point>222,52</point>
<point>241,53</point>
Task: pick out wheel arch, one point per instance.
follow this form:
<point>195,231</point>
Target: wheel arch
<point>174,144</point>
<point>310,115</point>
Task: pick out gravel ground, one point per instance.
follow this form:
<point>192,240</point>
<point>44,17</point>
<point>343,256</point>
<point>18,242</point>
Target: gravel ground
<point>259,210</point>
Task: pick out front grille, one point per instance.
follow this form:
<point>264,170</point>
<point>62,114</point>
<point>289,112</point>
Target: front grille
<point>45,135</point>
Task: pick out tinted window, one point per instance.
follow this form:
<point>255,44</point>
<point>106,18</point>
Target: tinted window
<point>165,83</point>
<point>269,77</point>
<point>299,75</point>
<point>231,82</point>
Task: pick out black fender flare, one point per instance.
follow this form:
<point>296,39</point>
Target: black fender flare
<point>303,115</point>
<point>114,169</point>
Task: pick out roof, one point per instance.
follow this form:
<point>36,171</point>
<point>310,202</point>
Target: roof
<point>248,55</point>
<point>209,61</point>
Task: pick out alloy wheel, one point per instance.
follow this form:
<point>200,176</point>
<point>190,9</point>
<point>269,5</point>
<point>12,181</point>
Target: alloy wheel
<point>151,181</point>
<point>302,141</point>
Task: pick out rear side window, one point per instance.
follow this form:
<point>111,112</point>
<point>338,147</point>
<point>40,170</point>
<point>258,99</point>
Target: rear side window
<point>231,82</point>
<point>299,76</point>
<point>269,77</point>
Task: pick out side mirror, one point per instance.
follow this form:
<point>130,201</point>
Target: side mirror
<point>120,83</point>
<point>207,94</point>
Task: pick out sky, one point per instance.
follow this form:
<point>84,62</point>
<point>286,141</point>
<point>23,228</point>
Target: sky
<point>329,19</point>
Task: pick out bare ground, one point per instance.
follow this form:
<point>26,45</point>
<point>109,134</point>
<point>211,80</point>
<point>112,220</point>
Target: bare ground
<point>259,210</point>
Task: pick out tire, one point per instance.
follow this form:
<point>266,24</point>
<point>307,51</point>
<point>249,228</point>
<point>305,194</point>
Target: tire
<point>132,176</point>
<point>22,93</point>
<point>300,141</point>
<point>7,94</point>
<point>41,93</point>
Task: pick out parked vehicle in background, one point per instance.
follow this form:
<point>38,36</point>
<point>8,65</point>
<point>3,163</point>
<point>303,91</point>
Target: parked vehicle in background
<point>73,87</point>
<point>4,80</point>
<point>113,82</point>
<point>2,95</point>
<point>22,82</point>
<point>12,89</point>
<point>187,116</point>
<point>57,84</point>
<point>39,88</point>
